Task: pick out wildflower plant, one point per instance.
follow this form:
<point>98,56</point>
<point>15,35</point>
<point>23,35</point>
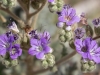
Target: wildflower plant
<point>14,42</point>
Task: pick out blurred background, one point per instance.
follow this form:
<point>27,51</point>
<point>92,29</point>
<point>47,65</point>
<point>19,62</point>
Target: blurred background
<point>47,21</point>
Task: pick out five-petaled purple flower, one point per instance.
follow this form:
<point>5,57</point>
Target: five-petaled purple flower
<point>68,15</point>
<point>40,46</point>
<point>15,51</point>
<point>88,48</point>
<point>79,33</point>
<point>96,22</point>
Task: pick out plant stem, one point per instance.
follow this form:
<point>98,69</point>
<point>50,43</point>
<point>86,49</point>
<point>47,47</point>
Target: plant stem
<point>23,6</point>
<point>13,16</point>
<point>29,62</point>
<point>34,13</point>
<point>2,18</point>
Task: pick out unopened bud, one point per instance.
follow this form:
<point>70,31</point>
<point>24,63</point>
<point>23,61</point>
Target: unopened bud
<point>68,35</point>
<point>53,8</point>
<point>45,64</point>
<point>60,3</point>
<point>14,62</point>
<point>59,9</point>
<point>62,38</point>
<point>6,63</point>
<point>91,63</point>
<point>60,24</point>
<point>91,68</point>
<point>51,63</point>
<point>62,32</point>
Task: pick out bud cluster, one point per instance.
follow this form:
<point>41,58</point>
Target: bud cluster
<point>10,63</point>
<point>65,35</point>
<point>87,65</point>
<point>8,3</point>
<point>55,5</point>
<point>49,61</point>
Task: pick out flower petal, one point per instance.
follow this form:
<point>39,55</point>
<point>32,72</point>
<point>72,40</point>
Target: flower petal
<point>13,56</point>
<point>47,49</point>
<point>35,42</point>
<point>32,51</point>
<point>2,51</point>
<point>61,19</point>
<point>73,20</point>
<point>40,55</point>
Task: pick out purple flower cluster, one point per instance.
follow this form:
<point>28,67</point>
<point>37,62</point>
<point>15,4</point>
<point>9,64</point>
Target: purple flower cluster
<point>96,22</point>
<point>8,45</point>
<point>39,45</point>
<point>68,16</point>
<point>88,48</point>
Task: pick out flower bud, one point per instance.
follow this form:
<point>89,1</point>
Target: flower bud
<point>50,56</point>
<point>53,8</point>
<point>84,67</point>
<point>62,32</point>
<point>62,38</point>
<point>51,62</point>
<point>59,9</point>
<point>91,63</point>
<point>60,24</point>
<point>14,62</point>
<point>45,64</point>
<point>60,3</point>
<point>68,35</point>
<point>6,63</point>
<point>91,68</point>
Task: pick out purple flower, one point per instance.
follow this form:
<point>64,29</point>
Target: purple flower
<point>40,46</point>
<point>79,33</point>
<point>51,1</point>
<point>15,51</point>
<point>96,22</point>
<point>68,15</point>
<point>88,48</point>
